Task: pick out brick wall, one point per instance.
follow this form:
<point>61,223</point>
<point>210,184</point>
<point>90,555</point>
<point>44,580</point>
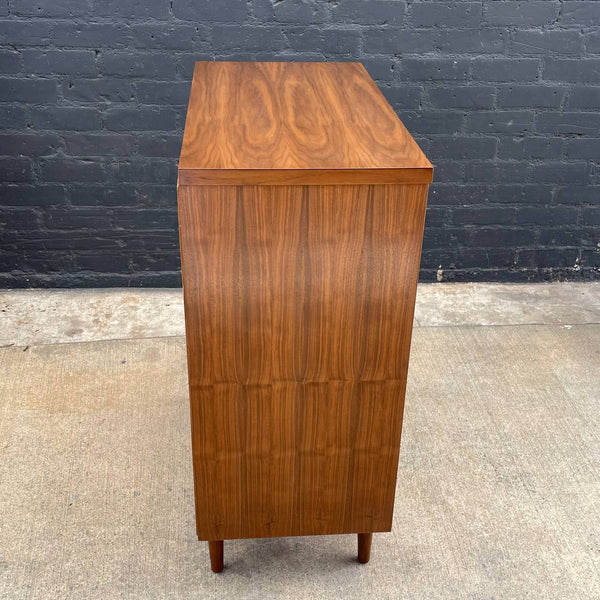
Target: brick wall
<point>502,95</point>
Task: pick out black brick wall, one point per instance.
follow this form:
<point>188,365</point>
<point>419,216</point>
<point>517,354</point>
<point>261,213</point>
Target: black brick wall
<point>502,95</point>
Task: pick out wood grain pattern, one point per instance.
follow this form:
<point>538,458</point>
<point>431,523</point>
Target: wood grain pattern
<point>300,283</point>
<point>301,208</point>
<point>215,549</point>
<point>302,177</point>
<point>364,547</point>
<point>273,123</point>
<point>299,303</point>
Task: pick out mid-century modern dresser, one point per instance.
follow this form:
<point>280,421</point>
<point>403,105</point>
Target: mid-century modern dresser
<point>301,207</point>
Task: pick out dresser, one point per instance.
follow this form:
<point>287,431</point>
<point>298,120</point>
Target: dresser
<point>301,200</point>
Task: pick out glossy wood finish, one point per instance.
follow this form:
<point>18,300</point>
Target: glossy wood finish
<point>301,208</point>
<point>300,284</point>
<point>299,303</point>
<point>215,549</point>
<point>364,547</point>
<point>259,123</point>
<point>300,177</point>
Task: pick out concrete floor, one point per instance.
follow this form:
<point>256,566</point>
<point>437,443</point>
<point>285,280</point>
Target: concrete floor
<point>498,486</point>
<point>57,316</point>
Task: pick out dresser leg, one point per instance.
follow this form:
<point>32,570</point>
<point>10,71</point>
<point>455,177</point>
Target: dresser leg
<point>216,555</point>
<point>364,547</point>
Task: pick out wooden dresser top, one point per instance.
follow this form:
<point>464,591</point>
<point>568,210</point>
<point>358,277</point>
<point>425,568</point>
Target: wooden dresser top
<point>287,123</point>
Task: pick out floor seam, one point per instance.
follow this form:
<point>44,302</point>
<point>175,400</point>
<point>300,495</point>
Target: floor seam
<point>160,337</point>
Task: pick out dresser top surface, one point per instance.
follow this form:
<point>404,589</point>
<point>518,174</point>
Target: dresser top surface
<point>253,116</point>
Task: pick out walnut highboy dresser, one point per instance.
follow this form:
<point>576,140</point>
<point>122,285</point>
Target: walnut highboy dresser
<point>301,206</point>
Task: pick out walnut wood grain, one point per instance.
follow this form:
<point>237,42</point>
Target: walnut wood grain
<point>301,207</point>
<point>364,547</point>
<point>302,177</point>
<point>251,123</point>
<point>299,303</point>
<point>215,549</point>
<point>300,283</point>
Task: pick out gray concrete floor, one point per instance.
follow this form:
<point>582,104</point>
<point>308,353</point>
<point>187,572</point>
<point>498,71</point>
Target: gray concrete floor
<point>57,316</point>
<point>498,486</point>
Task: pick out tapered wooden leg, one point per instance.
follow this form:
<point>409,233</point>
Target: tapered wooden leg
<point>216,555</point>
<point>364,547</point>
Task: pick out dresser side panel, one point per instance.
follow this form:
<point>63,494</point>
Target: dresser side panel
<point>299,303</point>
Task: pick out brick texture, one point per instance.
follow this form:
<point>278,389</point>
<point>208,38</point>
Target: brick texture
<point>503,96</point>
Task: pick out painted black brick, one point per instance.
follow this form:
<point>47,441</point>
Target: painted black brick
<point>171,93</point>
<point>484,215</point>
<point>72,118</point>
<point>310,11</point>
<point>34,144</point>
<point>588,148</point>
<point>446,14</point>
<point>444,194</point>
<point>565,257</point>
<point>548,215</point>
<point>592,42</point>
<point>539,96</point>
<point>586,70</point>
<point>564,237</point>
<point>50,62</point>
<point>494,172</point>
<point>142,170</point>
<point>591,216</point>
<point>585,97</point>
<point>580,13</point>
<point>506,69</point>
<point>18,33</point>
<point>404,96</point>
<point>500,121</point>
<point>15,169</point>
<point>398,41</point>
<point>12,117</point>
<point>249,38</point>
<point>582,123</point>
<point>547,42</point>
<point>10,61</point>
<point>451,171</point>
<point>140,119</point>
<point>56,8</point>
<point>20,218</point>
<point>155,65</point>
<point>433,69</point>
<point>98,90</point>
<point>574,194</point>
<point>172,37</point>
<point>560,172</point>
<point>67,170</point>
<point>225,11</point>
<point>434,121</point>
<point>463,41</point>
<point>503,96</point>
<point>456,96</point>
<point>464,147</point>
<point>82,34</point>
<point>36,91</point>
<point>381,68</point>
<point>104,144</point>
<point>131,9</point>
<point>160,145</point>
<point>498,237</point>
<point>376,12</point>
<point>530,148</point>
<point>523,194</point>
<point>523,13</point>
